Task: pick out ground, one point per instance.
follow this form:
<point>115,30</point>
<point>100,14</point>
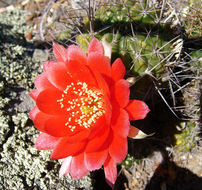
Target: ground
<point>170,159</point>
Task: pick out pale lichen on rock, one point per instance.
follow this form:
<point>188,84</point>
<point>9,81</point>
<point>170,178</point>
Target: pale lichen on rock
<point>21,165</point>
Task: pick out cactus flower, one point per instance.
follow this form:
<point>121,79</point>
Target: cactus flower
<point>83,110</point>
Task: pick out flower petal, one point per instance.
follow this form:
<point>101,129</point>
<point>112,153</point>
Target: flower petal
<point>59,52</point>
<point>120,93</point>
<point>100,63</point>
<point>81,73</point>
<point>47,101</point>
<point>108,110</point>
<point>65,149</point>
<point>137,109</point>
<point>47,64</point>
<point>64,170</point>
<point>77,167</point>
<point>56,127</point>
<point>46,142</point>
<point>34,94</point>
<point>110,171</point>
<point>138,134</point>
<point>101,82</point>
<point>118,148</point>
<point>34,112</point>
<point>98,128</point>
<point>81,135</point>
<point>99,141</point>
<point>75,53</point>
<point>57,75</point>
<point>39,118</point>
<point>95,160</point>
<point>95,46</point>
<point>42,82</point>
<point>133,131</point>
<point>118,70</point>
<point>120,122</point>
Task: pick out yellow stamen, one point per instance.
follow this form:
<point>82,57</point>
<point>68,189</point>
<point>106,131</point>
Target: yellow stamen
<point>85,106</point>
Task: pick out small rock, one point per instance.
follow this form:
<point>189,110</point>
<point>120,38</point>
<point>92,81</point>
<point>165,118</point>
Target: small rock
<point>26,102</point>
<point>40,55</point>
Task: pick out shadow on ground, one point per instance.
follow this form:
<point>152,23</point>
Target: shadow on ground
<point>161,120</point>
<point>169,176</point>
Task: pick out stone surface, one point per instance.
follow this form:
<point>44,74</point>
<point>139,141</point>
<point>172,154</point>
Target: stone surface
<point>22,166</point>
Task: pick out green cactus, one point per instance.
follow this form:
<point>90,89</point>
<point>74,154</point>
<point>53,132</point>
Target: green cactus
<point>83,41</point>
<point>134,35</point>
<point>128,162</point>
<point>141,53</point>
<point>127,11</point>
<point>193,24</point>
<point>187,140</point>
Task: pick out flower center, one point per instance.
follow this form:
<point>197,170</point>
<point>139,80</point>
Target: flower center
<point>84,105</point>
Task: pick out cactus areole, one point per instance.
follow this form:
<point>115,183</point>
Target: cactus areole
<point>83,110</point>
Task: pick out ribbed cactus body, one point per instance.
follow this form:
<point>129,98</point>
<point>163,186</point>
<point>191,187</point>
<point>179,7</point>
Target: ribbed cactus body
<point>132,31</point>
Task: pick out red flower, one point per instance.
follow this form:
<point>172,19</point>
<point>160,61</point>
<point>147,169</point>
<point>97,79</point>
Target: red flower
<point>83,110</point>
